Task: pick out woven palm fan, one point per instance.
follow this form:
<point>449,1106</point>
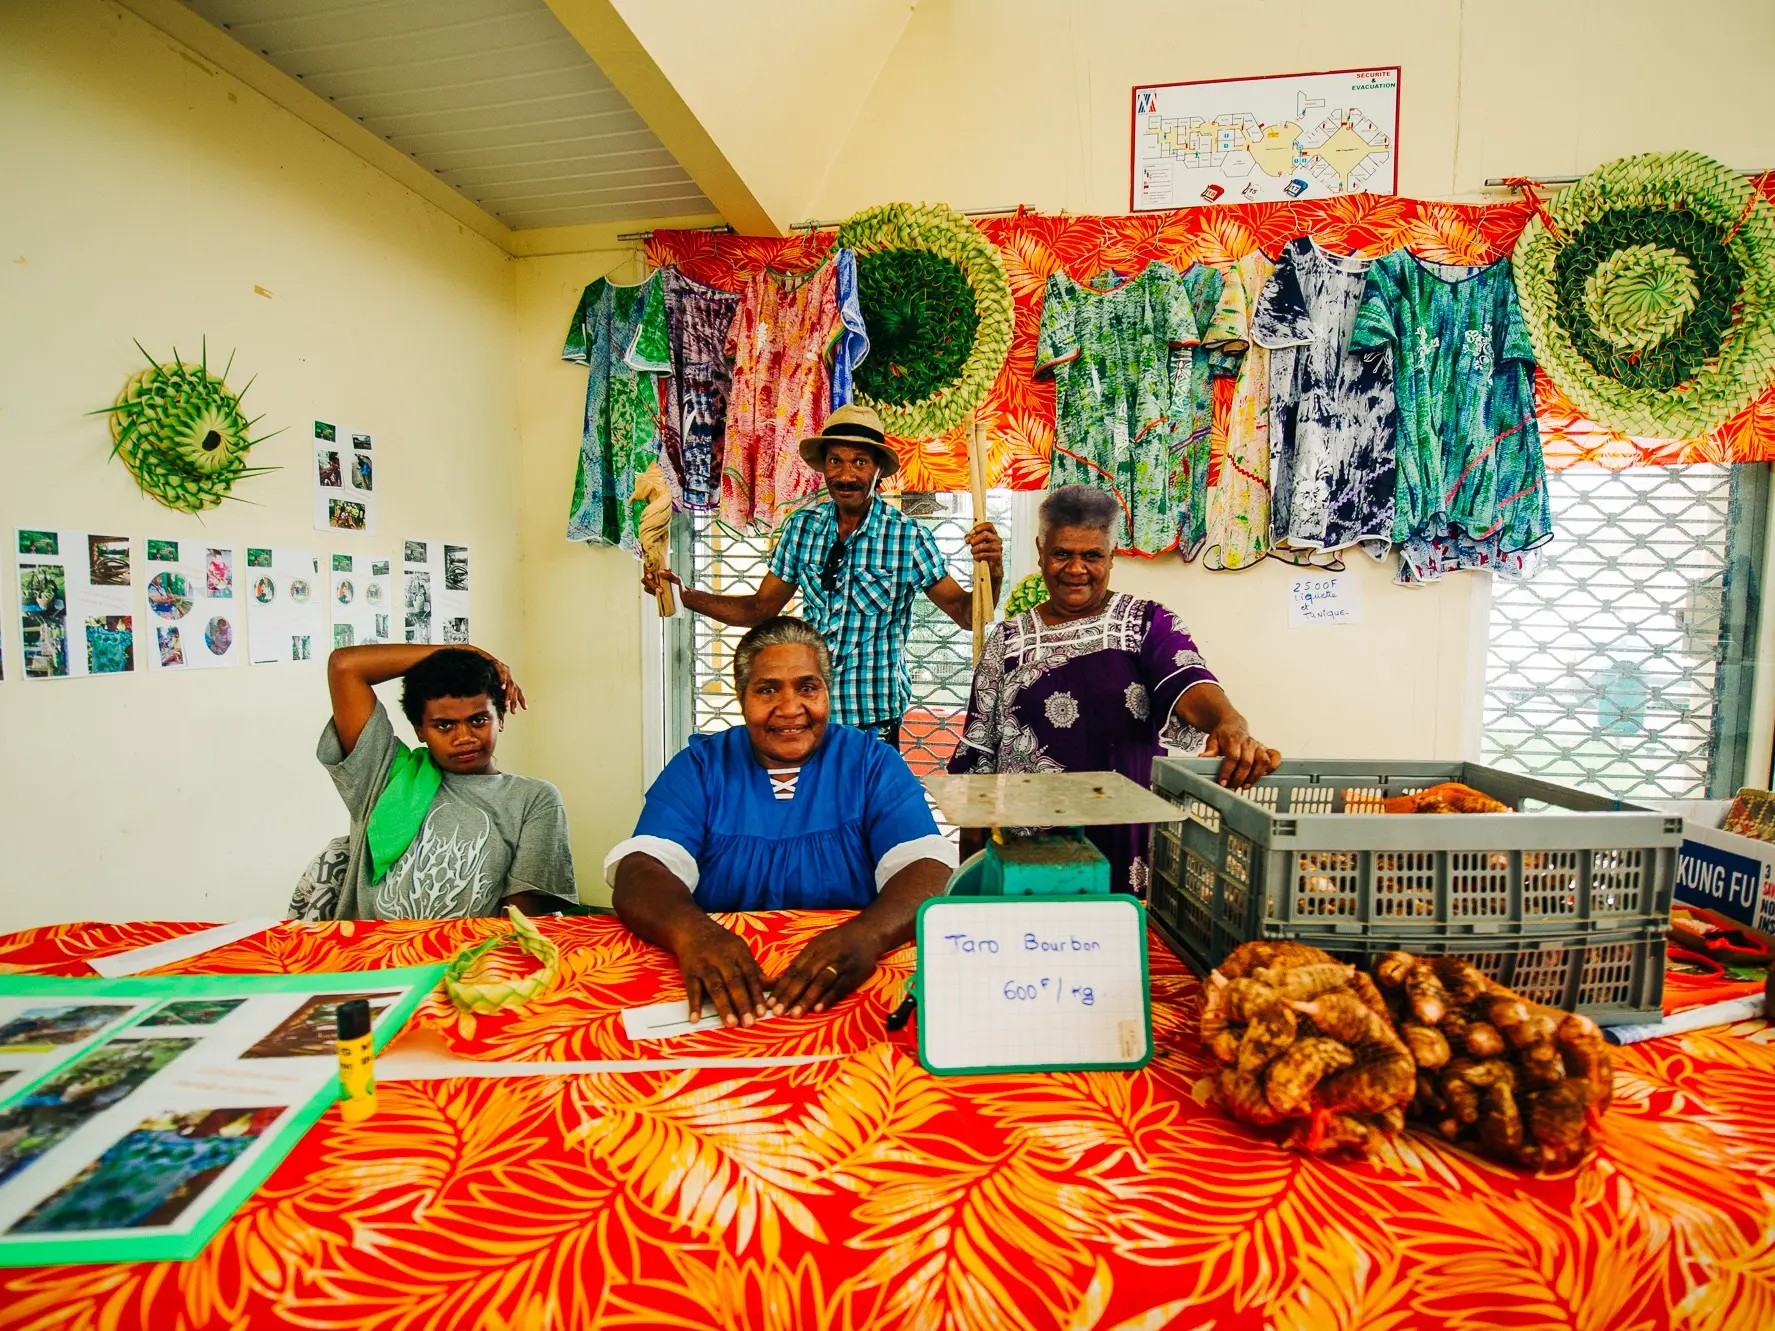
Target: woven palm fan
<point>1649,292</point>
<point>485,997</point>
<point>938,308</point>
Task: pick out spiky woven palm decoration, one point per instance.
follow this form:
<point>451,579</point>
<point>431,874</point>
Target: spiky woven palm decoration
<point>182,434</point>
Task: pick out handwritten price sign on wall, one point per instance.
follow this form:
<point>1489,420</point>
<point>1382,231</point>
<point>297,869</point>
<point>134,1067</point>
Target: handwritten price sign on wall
<point>1325,598</point>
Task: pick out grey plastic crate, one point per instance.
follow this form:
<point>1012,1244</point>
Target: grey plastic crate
<point>1304,854</point>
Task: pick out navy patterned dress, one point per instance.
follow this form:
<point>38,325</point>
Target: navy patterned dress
<point>1332,428</point>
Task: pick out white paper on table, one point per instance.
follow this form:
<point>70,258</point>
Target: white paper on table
<point>1324,598</point>
<point>661,1021</point>
<point>185,946</point>
<point>76,603</point>
<point>194,607</point>
<point>344,479</point>
<point>435,591</point>
<point>286,604</point>
<point>1724,1013</point>
<point>363,600</point>
<point>419,1054</point>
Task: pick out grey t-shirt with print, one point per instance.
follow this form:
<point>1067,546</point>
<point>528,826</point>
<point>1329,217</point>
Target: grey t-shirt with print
<point>483,839</point>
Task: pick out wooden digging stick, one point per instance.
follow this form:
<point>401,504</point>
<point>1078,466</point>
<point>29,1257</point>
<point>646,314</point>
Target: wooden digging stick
<point>982,571</point>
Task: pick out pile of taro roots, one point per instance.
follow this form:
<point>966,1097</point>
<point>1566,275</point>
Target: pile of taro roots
<point>1341,1061</point>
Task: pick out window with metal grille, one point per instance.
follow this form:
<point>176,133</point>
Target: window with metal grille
<point>1624,665</point>
<point>700,696</point>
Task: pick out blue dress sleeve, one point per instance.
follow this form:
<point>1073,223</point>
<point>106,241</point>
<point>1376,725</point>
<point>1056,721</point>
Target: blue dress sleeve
<point>673,827</point>
<point>897,824</point>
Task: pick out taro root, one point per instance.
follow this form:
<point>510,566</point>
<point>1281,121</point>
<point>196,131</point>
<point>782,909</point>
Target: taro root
<point>1307,1040</point>
<point>1522,1082</point>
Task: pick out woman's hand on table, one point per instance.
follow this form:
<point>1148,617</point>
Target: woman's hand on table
<point>720,969</point>
<point>829,967</point>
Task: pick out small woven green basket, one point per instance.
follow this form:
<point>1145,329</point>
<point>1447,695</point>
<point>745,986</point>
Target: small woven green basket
<point>485,997</point>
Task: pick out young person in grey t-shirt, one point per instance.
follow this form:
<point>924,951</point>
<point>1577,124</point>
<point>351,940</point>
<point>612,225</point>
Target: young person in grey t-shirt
<point>486,838</point>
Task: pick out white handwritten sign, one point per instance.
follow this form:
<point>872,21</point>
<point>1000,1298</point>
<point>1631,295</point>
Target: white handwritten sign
<point>1029,983</point>
<point>1324,598</point>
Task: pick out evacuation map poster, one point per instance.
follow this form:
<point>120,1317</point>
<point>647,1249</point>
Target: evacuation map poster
<point>1264,140</point>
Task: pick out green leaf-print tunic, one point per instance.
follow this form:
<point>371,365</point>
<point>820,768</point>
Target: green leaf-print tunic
<point>1472,487</point>
<point>1131,399</point>
<point>619,334</point>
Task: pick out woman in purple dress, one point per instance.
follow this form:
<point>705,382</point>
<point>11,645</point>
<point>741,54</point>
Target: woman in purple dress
<point>1088,680</point>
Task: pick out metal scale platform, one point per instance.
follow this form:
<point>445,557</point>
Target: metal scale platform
<point>1037,847</point>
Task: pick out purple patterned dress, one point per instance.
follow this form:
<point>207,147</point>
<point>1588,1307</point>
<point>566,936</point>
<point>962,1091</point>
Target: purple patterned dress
<point>1091,695</point>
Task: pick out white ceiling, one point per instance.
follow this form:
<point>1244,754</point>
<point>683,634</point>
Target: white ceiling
<point>493,96</point>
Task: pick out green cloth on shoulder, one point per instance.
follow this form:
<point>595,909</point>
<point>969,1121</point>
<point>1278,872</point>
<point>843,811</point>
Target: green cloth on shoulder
<point>399,812</point>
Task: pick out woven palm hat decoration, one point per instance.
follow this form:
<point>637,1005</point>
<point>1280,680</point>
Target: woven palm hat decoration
<point>937,304</point>
<point>1649,292</point>
<point>854,425</point>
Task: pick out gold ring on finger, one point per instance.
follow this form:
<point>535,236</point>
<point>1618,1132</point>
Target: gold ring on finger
<point>829,967</point>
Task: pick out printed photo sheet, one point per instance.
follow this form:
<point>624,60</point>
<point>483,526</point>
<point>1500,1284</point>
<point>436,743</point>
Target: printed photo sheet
<point>435,588</point>
<point>285,607</point>
<point>364,609</point>
<point>194,619</point>
<point>164,1105</point>
<point>344,479</point>
<point>76,603</point>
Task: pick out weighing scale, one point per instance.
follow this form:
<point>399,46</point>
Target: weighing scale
<point>1038,846</point>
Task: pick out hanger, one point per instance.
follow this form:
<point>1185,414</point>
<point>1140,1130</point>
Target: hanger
<point>632,271</point>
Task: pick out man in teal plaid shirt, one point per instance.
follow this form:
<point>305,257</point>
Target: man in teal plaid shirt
<point>859,564</point>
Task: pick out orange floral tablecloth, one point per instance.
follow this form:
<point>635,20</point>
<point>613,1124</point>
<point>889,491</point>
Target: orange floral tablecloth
<point>861,1191</point>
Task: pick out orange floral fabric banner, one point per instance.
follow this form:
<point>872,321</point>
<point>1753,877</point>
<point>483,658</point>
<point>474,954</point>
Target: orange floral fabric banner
<point>1020,412</point>
<point>863,1192</point>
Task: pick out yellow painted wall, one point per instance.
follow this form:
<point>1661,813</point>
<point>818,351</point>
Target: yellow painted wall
<point>986,103</point>
<point>777,86</point>
<point>145,196</point>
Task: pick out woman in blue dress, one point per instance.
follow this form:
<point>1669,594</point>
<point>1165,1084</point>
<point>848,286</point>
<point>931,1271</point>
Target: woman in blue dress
<point>786,812</point>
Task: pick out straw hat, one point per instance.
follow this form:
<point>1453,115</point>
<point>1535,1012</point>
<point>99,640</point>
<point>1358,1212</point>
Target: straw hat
<point>851,425</point>
<point>1649,292</point>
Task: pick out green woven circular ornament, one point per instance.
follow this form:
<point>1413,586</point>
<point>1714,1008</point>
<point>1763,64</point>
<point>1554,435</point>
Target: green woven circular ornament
<point>1649,293</point>
<point>485,997</point>
<point>182,434</point>
<point>938,308</point>
<point>1026,595</point>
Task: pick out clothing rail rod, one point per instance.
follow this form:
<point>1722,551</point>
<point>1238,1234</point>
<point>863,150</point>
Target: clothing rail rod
<point>722,230</point>
<point>965,212</point>
<point>1499,182</point>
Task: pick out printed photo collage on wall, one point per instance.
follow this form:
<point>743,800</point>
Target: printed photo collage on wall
<point>212,603</point>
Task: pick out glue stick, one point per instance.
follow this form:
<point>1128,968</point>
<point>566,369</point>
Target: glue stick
<point>357,1071</point>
